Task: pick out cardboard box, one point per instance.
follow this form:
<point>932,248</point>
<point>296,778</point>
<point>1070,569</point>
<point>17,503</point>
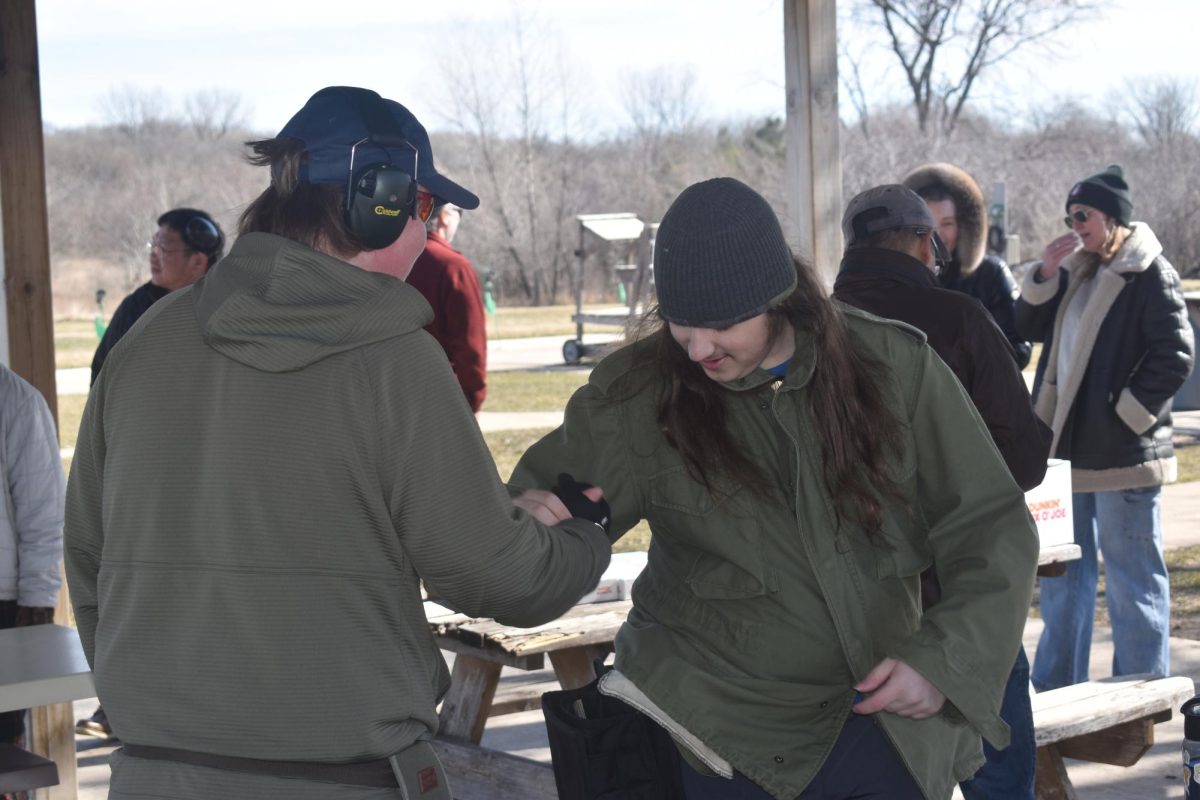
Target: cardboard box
<point>617,581</point>
<point>1050,504</point>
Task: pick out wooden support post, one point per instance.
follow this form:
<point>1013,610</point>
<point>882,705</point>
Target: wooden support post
<point>573,666</point>
<point>465,707</point>
<point>25,260</point>
<point>814,160</point>
<point>1052,782</point>
<point>25,254</point>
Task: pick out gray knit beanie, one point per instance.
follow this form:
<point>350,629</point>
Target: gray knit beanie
<point>720,256</point>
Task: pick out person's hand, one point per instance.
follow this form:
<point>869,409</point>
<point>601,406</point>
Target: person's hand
<point>34,615</point>
<point>546,507</point>
<point>542,505</point>
<point>582,501</point>
<point>900,689</point>
<point>1056,252</point>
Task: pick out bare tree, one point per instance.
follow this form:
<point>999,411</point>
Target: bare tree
<point>516,100</point>
<point>852,81</point>
<point>213,113</point>
<point>1163,111</point>
<point>661,101</point>
<point>133,110</point>
<point>944,46</point>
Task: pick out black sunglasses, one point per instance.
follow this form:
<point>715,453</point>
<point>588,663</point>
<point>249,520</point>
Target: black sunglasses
<point>1079,216</point>
<point>201,235</point>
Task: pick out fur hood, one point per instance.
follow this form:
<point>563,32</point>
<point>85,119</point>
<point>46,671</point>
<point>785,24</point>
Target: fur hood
<point>971,246</point>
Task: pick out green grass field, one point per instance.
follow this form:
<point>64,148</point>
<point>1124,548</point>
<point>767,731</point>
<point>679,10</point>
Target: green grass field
<point>519,390</point>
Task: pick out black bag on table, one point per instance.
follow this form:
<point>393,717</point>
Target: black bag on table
<point>605,749</point>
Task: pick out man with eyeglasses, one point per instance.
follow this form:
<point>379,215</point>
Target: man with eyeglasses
<point>449,283</point>
<point>187,243</point>
<point>892,245</point>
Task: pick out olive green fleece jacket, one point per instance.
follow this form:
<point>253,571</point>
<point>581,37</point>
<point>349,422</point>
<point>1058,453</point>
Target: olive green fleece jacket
<point>268,465</point>
<point>757,614</point>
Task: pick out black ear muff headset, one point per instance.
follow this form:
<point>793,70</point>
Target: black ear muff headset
<point>380,197</point>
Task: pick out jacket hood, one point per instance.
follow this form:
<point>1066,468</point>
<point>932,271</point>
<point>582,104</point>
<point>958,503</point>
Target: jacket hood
<point>1136,254</point>
<point>278,306</point>
<point>971,246</point>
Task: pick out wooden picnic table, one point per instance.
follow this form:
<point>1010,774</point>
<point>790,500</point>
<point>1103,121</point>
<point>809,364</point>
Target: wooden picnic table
<point>482,647</point>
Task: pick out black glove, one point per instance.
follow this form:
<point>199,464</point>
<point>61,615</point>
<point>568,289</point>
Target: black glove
<point>33,615</point>
<point>570,491</point>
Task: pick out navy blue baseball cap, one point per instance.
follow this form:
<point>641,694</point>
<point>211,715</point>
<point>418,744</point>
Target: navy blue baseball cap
<point>337,117</point>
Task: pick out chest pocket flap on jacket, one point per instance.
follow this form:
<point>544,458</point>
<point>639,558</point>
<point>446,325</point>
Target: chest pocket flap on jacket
<point>713,538</point>
<point>906,551</point>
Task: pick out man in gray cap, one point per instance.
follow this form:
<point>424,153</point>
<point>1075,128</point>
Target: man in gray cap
<point>889,270</point>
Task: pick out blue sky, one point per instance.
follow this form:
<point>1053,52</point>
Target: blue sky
<point>734,48</point>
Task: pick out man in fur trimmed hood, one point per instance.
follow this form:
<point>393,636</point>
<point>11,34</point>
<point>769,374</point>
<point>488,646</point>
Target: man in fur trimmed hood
<point>960,213</point>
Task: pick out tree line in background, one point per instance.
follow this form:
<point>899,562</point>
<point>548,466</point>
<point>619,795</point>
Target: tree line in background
<point>517,128</point>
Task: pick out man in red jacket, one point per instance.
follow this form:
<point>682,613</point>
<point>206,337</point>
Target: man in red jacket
<point>449,283</point>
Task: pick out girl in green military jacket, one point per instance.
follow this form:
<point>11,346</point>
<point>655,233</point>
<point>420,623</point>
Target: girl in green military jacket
<point>799,464</point>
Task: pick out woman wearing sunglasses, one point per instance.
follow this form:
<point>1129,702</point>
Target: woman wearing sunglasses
<point>799,463</point>
<point>1117,345</point>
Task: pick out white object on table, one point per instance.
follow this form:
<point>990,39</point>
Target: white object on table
<point>617,581</point>
<point>42,665</point>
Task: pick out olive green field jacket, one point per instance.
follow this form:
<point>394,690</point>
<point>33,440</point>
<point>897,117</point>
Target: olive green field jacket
<point>758,612</point>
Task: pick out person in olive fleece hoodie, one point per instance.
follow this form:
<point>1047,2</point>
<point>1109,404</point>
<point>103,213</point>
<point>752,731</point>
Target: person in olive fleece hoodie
<point>269,466</point>
<point>799,463</point>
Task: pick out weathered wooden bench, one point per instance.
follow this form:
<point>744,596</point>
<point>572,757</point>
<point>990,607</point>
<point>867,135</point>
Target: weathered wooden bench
<point>1109,721</point>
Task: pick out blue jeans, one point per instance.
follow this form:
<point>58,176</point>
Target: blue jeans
<point>1126,527</point>
<point>1008,773</point>
<point>862,764</point>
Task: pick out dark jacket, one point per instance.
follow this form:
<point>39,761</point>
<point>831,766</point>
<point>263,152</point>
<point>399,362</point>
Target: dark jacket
<point>992,284</point>
<point>1111,412</point>
<point>448,281</point>
<point>971,270</point>
<point>130,311</point>
<point>894,285</point>
<point>756,614</point>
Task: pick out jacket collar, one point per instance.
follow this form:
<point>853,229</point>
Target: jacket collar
<point>800,368</point>
<point>876,263</point>
<point>1135,255</point>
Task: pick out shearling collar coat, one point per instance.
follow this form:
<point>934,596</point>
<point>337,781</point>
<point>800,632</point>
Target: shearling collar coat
<point>1111,413</point>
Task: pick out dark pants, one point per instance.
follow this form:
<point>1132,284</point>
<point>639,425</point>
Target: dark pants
<point>862,766</point>
<point>12,723</point>
<point>1008,774</point>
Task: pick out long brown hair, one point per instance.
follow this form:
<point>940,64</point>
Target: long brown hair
<point>304,212</point>
<point>857,429</point>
